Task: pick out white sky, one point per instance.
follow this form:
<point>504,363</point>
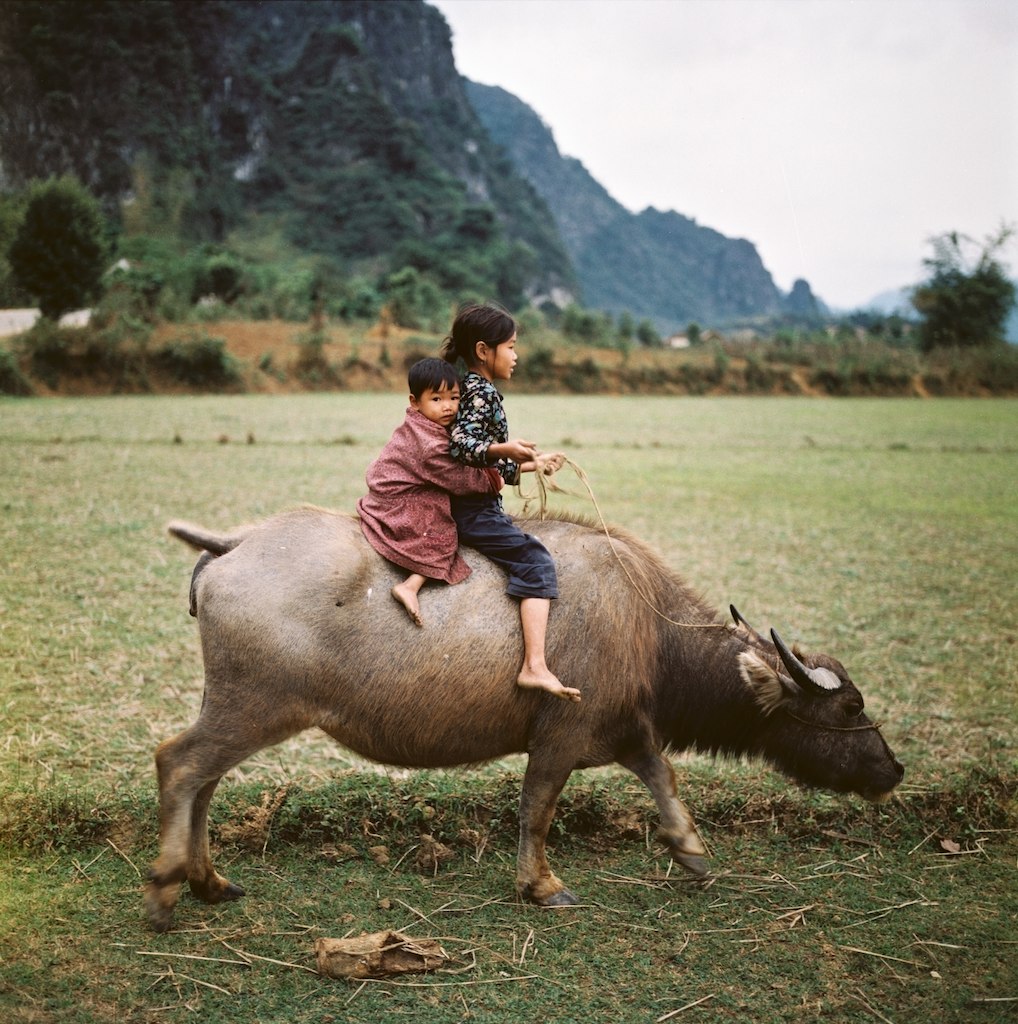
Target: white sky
<point>836,135</point>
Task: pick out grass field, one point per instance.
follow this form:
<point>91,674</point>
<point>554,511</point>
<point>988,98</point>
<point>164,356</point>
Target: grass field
<point>882,531</point>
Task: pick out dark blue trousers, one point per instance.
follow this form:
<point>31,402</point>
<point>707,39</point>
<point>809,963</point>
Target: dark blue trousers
<point>483,524</point>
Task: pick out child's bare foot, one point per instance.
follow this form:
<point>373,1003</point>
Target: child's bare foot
<point>537,680</point>
<point>407,597</point>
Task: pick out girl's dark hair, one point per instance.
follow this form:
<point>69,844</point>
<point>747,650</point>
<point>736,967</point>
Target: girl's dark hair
<point>431,373</point>
<point>477,322</point>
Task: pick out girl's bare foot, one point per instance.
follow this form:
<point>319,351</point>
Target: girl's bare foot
<point>549,682</point>
<point>407,597</point>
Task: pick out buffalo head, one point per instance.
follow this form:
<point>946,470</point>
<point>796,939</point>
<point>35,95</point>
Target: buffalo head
<point>815,728</point>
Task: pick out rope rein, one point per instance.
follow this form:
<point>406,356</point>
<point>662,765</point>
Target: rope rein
<point>545,483</point>
<point>833,728</point>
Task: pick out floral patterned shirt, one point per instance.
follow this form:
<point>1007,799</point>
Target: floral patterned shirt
<point>479,424</point>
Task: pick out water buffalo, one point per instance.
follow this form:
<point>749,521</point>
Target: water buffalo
<point>298,630</point>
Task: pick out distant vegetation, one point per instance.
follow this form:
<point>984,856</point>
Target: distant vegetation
<point>176,166</point>
<point>59,243</point>
<point>126,350</point>
<point>966,301</point>
<point>60,249</point>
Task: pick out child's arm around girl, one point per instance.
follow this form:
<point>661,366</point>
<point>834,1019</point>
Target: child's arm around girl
<point>484,337</point>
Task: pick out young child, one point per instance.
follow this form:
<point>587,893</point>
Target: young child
<point>405,516</point>
<point>484,337</point>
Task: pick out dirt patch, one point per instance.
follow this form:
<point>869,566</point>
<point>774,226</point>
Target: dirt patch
<point>278,357</point>
<point>801,380</point>
<point>252,831</point>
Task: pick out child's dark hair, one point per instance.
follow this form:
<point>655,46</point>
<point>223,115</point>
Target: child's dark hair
<point>431,373</point>
<point>489,323</point>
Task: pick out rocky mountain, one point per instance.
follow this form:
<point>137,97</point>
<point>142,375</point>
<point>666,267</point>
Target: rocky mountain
<point>343,128</point>
<point>897,302</point>
<point>342,124</point>
<point>657,263</point>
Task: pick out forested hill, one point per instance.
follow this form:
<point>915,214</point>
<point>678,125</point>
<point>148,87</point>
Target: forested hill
<point>343,125</point>
<point>342,129</point>
<point>663,264</point>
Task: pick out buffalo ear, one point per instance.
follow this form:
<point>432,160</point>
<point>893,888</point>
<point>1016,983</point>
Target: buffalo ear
<point>770,688</point>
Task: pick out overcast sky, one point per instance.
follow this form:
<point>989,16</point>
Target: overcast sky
<point>836,135</point>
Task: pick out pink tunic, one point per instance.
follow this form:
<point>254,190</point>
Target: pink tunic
<point>405,515</point>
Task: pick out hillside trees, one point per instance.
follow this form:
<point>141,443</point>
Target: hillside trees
<point>966,300</point>
<point>378,202</point>
<point>60,251</point>
<point>96,87</point>
<point>598,328</point>
<point>281,136</point>
<point>12,213</point>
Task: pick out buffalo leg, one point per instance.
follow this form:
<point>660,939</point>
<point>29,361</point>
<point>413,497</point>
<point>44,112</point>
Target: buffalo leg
<point>189,768</point>
<point>170,868</point>
<point>535,880</point>
<point>677,831</point>
<point>206,883</point>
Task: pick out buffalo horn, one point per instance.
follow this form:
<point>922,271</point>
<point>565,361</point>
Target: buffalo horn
<point>805,677</point>
<point>740,621</point>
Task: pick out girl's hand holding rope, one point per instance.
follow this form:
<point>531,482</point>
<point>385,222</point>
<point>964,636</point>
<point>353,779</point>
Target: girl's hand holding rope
<point>549,462</point>
<point>543,464</point>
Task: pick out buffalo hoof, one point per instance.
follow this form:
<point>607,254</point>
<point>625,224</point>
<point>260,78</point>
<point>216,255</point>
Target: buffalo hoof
<point>694,864</point>
<point>232,892</point>
<point>158,912</point>
<point>160,923</point>
<point>217,893</point>
<point>561,899</point>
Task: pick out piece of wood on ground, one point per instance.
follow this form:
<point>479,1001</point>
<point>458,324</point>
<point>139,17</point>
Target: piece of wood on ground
<point>378,955</point>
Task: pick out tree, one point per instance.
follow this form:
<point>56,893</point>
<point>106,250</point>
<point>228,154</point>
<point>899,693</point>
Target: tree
<point>12,213</point>
<point>646,334</point>
<point>627,327</point>
<point>60,251</point>
<point>966,300</point>
<point>412,298</point>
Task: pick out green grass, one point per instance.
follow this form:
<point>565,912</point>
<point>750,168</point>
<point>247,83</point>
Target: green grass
<point>881,531</point>
<point>845,913</point>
